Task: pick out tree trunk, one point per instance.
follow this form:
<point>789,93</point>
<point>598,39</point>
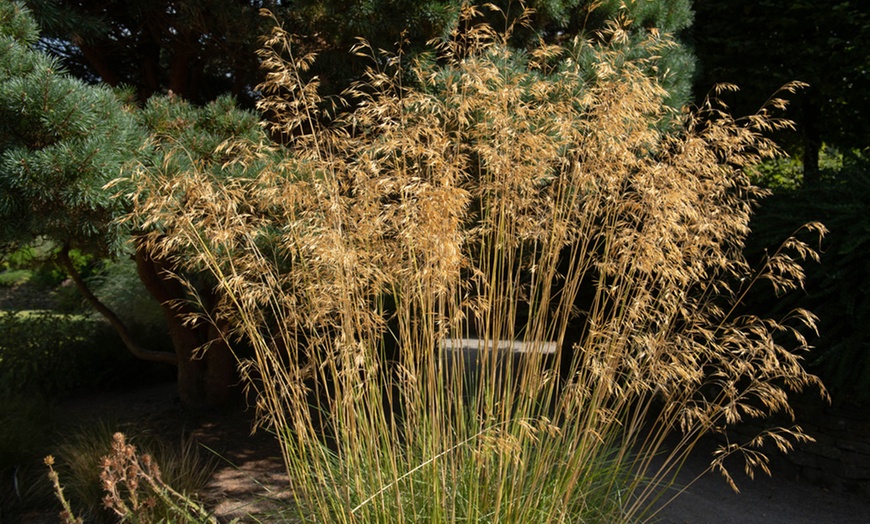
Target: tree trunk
<point>96,56</point>
<point>206,366</point>
<point>207,373</point>
<point>184,66</point>
<point>149,50</point>
<point>108,314</point>
<point>812,139</point>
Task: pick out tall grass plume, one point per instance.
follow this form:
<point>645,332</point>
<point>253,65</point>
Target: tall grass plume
<point>508,200</point>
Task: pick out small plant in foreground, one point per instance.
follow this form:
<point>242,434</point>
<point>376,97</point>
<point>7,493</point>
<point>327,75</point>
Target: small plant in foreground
<point>81,454</point>
<point>505,198</point>
<point>67,516</point>
<point>134,489</point>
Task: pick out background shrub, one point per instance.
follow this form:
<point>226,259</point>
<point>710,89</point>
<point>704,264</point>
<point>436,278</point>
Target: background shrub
<point>14,277</point>
<point>47,353</point>
<point>836,288</point>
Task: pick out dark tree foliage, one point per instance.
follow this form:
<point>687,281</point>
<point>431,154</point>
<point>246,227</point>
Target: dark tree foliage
<point>762,45</point>
<point>199,49</point>
<point>62,141</point>
<point>836,288</point>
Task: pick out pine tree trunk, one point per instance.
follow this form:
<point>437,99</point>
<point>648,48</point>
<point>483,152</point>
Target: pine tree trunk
<point>207,373</point>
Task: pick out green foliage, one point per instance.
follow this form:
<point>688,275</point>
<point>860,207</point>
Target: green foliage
<point>835,289</point>
<point>16,24</point>
<point>786,173</point>
<point>779,173</point>
<point>47,353</point>
<point>193,133</point>
<point>675,64</point>
<point>14,277</point>
<point>36,260</point>
<point>61,141</point>
<point>20,258</point>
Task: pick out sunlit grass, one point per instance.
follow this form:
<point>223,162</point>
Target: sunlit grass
<point>548,197</point>
<point>14,277</point>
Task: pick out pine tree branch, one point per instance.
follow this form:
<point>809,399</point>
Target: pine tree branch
<point>111,316</point>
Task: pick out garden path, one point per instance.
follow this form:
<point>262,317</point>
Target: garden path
<point>251,479</point>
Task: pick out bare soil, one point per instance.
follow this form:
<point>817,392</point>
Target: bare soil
<point>250,483</point>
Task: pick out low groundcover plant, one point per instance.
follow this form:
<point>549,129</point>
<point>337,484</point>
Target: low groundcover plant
<point>547,198</point>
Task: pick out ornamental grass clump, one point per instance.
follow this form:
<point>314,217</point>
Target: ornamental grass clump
<point>491,198</point>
